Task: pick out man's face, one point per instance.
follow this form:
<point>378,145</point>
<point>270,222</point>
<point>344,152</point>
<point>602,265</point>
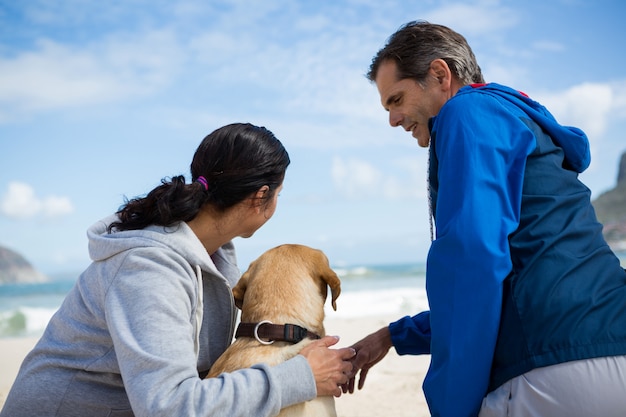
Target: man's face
<point>409,104</point>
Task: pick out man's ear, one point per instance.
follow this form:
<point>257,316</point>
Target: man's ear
<point>441,71</point>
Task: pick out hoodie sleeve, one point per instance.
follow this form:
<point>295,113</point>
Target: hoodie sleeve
<point>148,309</point>
<point>481,149</point>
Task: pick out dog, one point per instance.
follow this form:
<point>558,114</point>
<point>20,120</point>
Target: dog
<point>286,286</point>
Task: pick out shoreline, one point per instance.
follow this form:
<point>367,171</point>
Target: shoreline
<point>393,386</point>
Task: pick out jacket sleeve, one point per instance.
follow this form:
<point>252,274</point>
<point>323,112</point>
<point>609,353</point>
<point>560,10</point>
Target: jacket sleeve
<point>149,307</point>
<point>411,335</point>
<point>481,150</point>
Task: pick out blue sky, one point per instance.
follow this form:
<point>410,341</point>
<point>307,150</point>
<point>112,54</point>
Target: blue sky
<point>102,99</point>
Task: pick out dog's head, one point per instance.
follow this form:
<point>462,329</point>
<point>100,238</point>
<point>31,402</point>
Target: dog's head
<point>286,276</point>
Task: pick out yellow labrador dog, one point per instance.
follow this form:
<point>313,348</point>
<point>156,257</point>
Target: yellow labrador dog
<point>281,297</point>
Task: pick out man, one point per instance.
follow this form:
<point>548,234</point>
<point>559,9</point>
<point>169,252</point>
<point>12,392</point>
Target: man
<point>527,302</point>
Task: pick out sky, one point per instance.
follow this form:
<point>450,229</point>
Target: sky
<point>100,100</point>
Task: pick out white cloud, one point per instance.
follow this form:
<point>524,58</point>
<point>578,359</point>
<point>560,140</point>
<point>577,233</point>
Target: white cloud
<point>356,178</point>
<point>55,75</point>
<point>587,106</point>
<point>482,17</point>
<point>548,46</point>
<point>20,202</point>
<point>401,178</point>
<point>54,206</point>
<point>597,109</point>
<point>619,102</point>
<point>124,65</point>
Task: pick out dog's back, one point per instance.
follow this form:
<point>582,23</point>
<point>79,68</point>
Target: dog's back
<point>287,284</point>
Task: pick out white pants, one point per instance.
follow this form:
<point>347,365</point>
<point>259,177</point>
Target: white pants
<point>585,388</point>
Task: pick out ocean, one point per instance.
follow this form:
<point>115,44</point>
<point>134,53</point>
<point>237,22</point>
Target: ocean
<point>388,290</point>
<point>395,290</point>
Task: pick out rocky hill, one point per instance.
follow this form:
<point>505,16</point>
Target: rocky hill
<point>14,268</point>
<point>611,210</point>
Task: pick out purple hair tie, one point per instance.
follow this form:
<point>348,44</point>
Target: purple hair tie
<point>204,182</point>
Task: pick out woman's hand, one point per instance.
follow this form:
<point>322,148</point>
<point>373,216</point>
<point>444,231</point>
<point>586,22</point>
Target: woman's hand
<point>330,366</point>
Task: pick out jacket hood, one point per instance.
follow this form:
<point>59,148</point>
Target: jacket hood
<point>572,140</point>
<point>178,238</point>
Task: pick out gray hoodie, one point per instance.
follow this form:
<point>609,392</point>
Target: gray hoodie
<point>150,312</point>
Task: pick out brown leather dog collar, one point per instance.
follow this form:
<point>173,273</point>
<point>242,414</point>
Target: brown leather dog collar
<point>267,333</point>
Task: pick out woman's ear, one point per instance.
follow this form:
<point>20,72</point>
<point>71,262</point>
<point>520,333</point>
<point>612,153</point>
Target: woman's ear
<point>262,192</point>
<point>260,196</point>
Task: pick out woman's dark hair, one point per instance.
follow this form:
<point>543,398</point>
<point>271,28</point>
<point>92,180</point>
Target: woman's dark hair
<point>235,161</point>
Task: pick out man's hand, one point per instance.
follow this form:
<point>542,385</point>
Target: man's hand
<point>369,351</point>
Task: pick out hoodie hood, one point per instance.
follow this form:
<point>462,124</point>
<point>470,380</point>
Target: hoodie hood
<point>178,238</point>
<point>572,140</point>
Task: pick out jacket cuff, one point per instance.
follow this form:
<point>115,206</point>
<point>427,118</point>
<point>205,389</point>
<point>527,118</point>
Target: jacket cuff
<point>397,332</point>
<point>411,335</point>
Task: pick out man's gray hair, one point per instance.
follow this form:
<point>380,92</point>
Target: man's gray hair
<point>416,44</point>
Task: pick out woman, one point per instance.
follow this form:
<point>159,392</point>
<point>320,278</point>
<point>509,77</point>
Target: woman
<point>154,309</point>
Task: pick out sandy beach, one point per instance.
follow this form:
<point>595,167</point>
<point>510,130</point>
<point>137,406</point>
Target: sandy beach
<point>393,386</point>
<point>12,352</point>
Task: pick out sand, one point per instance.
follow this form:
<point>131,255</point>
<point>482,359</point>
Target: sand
<point>392,387</point>
<point>12,352</point>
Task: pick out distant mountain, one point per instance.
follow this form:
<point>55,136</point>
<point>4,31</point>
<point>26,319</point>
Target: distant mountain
<point>15,269</point>
<point>611,210</point>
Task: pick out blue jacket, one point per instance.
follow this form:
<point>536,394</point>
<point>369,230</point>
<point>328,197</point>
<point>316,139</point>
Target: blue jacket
<point>519,275</point>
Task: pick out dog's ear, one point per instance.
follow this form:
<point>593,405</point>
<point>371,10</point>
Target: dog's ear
<point>332,280</point>
<point>240,289</point>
